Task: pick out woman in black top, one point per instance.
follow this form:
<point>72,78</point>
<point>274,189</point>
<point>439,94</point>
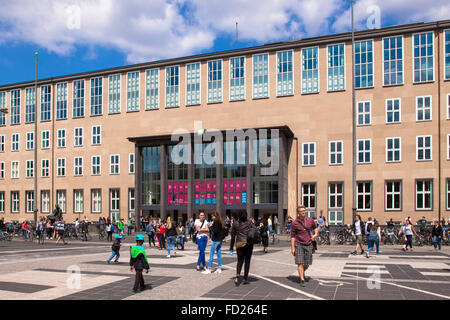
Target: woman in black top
<point>244,250</point>
<point>437,235</point>
<point>264,231</point>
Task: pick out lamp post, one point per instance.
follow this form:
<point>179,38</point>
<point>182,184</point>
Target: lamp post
<point>354,120</point>
<point>35,144</point>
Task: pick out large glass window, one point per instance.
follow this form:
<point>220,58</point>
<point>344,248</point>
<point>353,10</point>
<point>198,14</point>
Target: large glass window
<point>193,84</point>
<point>310,70</point>
<point>2,106</point>
<point>423,57</point>
<point>234,172</point>
<point>152,89</point>
<point>45,201</point>
<point>30,105</point>
<point>393,60</point>
<point>61,199</point>
<point>261,75</point>
<point>285,76</point>
<point>114,94</point>
<point>46,103</point>
<point>78,201</point>
<point>205,173</point>
<point>151,175</point>
<point>15,107</point>
<point>96,96</point>
<point>393,194</point>
<point>364,64</point>
<point>237,78</point>
<point>61,101</point>
<point>214,81</point>
<point>177,176</point>
<point>424,194</point>
<point>335,203</point>
<point>364,196</point>
<point>446,54</point>
<point>265,184</point>
<point>78,99</point>
<point>133,91</point>
<point>309,199</point>
<point>172,86</point>
<point>336,67</point>
<point>96,200</point>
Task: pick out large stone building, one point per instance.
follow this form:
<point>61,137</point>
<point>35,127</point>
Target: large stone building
<point>104,137</point>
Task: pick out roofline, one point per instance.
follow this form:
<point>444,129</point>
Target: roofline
<point>327,39</point>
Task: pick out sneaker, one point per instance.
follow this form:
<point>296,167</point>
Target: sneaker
<point>245,282</point>
<point>218,270</point>
<point>302,283</point>
<point>207,271</point>
<point>362,252</point>
<point>367,255</point>
<point>354,253</point>
<point>135,291</point>
<point>168,256</point>
<point>116,261</point>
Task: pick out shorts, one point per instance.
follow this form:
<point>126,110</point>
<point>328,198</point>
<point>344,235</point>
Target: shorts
<point>60,233</point>
<point>303,254</point>
<point>359,239</point>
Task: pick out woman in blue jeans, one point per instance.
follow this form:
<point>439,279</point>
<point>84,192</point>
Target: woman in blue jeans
<point>171,236</point>
<point>218,234</point>
<point>202,229</point>
<point>437,233</point>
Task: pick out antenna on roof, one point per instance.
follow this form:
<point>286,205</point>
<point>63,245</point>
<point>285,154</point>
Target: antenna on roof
<point>237,36</point>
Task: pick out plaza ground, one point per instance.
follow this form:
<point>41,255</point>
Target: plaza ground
<point>33,271</point>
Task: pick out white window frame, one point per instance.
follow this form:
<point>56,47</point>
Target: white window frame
<point>279,94</point>
<point>364,113</point>
<point>50,102</point>
<point>403,61</point>
<point>29,201</point>
<point>448,146</point>
<point>29,168</point>
<point>15,172</point>
<point>17,149</point>
<point>91,97</point>
<point>364,193</point>
<point>45,201</point>
<point>2,170</point>
<point>130,101</point>
<point>95,135</point>
<point>78,201</point>
<point>393,110</point>
<point>308,154</point>
<point>423,193</point>
<point>373,65</point>
<point>2,201</point>
<point>148,88</point>
<point>76,137</point>
<point>61,139</point>
<point>116,90</point>
<point>61,199</point>
<point>219,98</point>
<point>62,91</point>
<point>445,53</point>
<point>268,76</point>
<point>412,57</point>
<point>231,79</point>
<point>2,143</point>
<point>114,165</point>
<point>59,167</point>
<point>424,108</point>
<point>358,151</point>
<point>96,201</point>
<point>330,153</point>
<point>80,99</point>
<point>393,150</point>
<point>393,194</point>
<point>176,103</point>
<point>424,148</point>
<point>302,70</point>
<point>335,209</point>
<point>78,166</point>
<point>131,163</point>
<point>30,141</point>
<point>45,140</point>
<point>99,165</point>
<point>15,202</point>
<point>448,106</point>
<point>45,168</point>
<point>328,67</point>
<point>310,195</point>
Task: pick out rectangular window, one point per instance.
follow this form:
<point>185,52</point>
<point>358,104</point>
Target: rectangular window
<point>78,137</point>
<point>96,135</point>
<point>15,142</point>
<point>78,99</point>
<point>393,61</point>
<point>61,199</point>
<point>172,86</point>
<point>114,94</point>
<point>45,168</point>
<point>364,113</point>
<point>447,54</point>
<point>96,96</point>
<point>310,70</point>
<point>152,89</point>
<point>15,200</point>
<point>61,167</point>
<point>393,110</point>
<point>2,170</point>
<point>214,81</point>
<point>61,101</point>
<point>448,195</point>
<point>30,168</point>
<point>423,148</point>
<point>96,198</point>
<point>193,78</point>
<point>61,138</point>
<point>423,57</point>
<point>46,103</point>
<point>29,201</point>
<point>30,140</point>
<point>393,149</point>
<point>393,194</point>
<point>45,139</point>
<point>448,146</point>
<point>30,105</point>
<point>364,198</point>
<point>448,106</point>
<point>309,198</point>
<point>96,165</point>
<point>424,194</point>
<point>2,143</point>
<point>237,78</point>
<point>133,91</point>
<point>364,64</point>
<point>336,67</point>
<point>131,203</point>
<point>114,203</point>
<point>78,166</point>
<point>78,201</point>
<point>114,164</point>
<point>131,163</point>
<point>2,201</point>
<point>336,152</point>
<point>2,106</point>
<point>335,203</point>
<point>14,169</point>
<point>261,76</point>
<point>15,107</point>
<point>285,73</point>
<point>365,151</point>
<point>423,108</point>
<point>45,201</point>
<point>309,154</point>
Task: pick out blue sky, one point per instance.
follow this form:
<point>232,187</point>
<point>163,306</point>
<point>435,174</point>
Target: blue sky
<point>75,36</point>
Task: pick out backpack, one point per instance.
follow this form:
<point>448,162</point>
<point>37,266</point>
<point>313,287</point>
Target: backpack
<point>373,235</point>
<point>369,225</point>
<point>253,235</point>
<point>115,246</point>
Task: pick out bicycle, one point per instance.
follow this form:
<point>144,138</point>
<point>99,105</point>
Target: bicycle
<point>102,235</point>
<point>5,236</point>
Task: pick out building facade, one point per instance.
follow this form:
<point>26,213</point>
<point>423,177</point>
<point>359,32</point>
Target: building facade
<point>104,137</point>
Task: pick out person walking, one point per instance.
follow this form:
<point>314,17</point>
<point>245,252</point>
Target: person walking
<point>201,234</point>
<point>150,231</point>
<point>115,249</point>
<point>302,241</point>
<point>171,236</point>
<point>372,238</point>
<point>60,227</point>
<point>162,236</point>
<point>217,227</point>
<point>359,231</point>
<point>40,230</point>
<point>408,230</point>
<point>138,261</point>
<point>437,234</point>
<point>181,235</point>
<point>109,230</point>
<point>25,226</point>
<point>84,227</point>
<point>264,232</point>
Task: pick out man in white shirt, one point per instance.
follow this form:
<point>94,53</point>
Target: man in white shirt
<point>358,229</point>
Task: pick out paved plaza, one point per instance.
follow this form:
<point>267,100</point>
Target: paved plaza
<point>49,271</point>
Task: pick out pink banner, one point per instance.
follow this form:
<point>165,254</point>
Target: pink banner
<point>225,198</point>
<point>208,196</point>
<point>180,198</point>
<point>214,186</point>
<point>197,196</point>
<point>169,187</point>
<point>175,187</point>
<point>185,198</point>
<point>237,197</point>
<point>237,185</point>
<point>181,187</point>
<point>244,185</point>
<point>225,185</point>
<point>186,187</point>
<point>202,186</point>
<point>197,186</point>
<point>169,199</point>
<point>208,186</point>
<point>231,185</point>
<point>231,198</point>
<point>214,195</point>
<point>203,196</point>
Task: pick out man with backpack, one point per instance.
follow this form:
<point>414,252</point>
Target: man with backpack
<point>359,231</point>
<point>115,249</point>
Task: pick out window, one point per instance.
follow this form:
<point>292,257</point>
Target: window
<point>309,198</point>
<point>393,195</point>
<point>114,94</point>
<point>393,111</point>
<point>46,100</point>
<point>393,60</point>
<point>133,91</point>
<point>45,168</point>
<point>335,203</point>
<point>336,67</point>
<point>448,146</point>
<point>423,57</point>
<point>30,168</point>
<point>447,54</point>
<point>2,201</point>
<point>15,142</point>
<point>364,113</point>
<point>61,199</point>
<point>114,164</point>
<point>448,195</point>
<point>96,165</point>
<point>30,140</point>
<point>424,194</point>
<point>2,106</point>
<point>364,151</point>
<point>45,201</point>
<point>131,163</point>
<point>2,143</point>
<point>310,70</point>
<point>61,101</point>
<point>78,201</point>
<point>261,76</point>
<point>131,203</point>
<point>15,197</point>
<point>364,198</point>
<point>448,106</point>
<point>285,77</point>
<point>172,86</point>
<point>393,149</point>
<point>61,138</point>
<point>29,201</point>
<point>96,198</point>
<point>78,141</point>
<point>96,96</point>
<point>423,108</point>
<point>114,203</point>
<point>96,135</point>
<point>61,167</point>
<point>193,78</point>
<point>45,142</point>
<point>78,166</point>
<point>2,170</point>
<point>364,64</point>
<point>309,154</point>
<point>14,169</point>
<point>152,89</point>
<point>30,105</point>
<point>214,81</point>
<point>15,107</point>
<point>237,78</point>
<point>336,152</point>
<point>423,147</point>
<point>78,99</point>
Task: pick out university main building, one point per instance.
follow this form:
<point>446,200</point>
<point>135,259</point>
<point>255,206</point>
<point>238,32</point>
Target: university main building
<point>104,144</point>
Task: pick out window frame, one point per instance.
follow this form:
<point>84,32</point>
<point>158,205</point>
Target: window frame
<point>424,147</point>
<point>393,110</point>
<point>79,167</point>
<point>309,154</point>
<point>102,96</point>
<point>393,150</point>
<point>58,167</point>
<point>268,75</point>
<point>336,152</point>
<point>393,195</point>
<point>345,71</point>
<point>424,108</point>
<point>95,165</point>
<point>230,99</point>
<point>277,94</point>
<point>364,113</point>
<point>412,56</point>
<point>364,182</point>
<point>431,194</point>
<point>358,151</point>
<point>301,70</point>
<point>373,65</point>
<point>221,82</point>
<point>148,88</point>
<point>120,93</point>
<point>178,92</point>
<point>403,60</point>
<point>95,135</point>
<point>111,164</point>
